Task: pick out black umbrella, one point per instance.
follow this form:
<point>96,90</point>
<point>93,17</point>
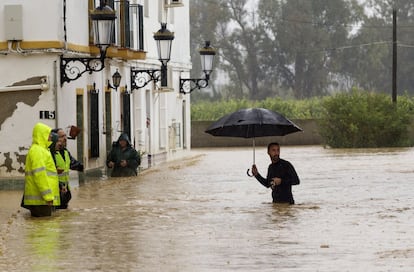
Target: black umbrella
<point>251,123</point>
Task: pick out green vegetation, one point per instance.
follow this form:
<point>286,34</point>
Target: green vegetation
<point>355,119</point>
<point>292,109</point>
<point>366,119</point>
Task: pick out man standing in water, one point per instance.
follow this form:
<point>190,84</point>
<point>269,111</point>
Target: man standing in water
<point>123,158</point>
<point>281,175</point>
<point>64,162</point>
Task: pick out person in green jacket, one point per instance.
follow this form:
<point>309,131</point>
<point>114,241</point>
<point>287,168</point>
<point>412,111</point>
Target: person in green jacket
<point>41,188</point>
<point>123,158</point>
<point>64,162</point>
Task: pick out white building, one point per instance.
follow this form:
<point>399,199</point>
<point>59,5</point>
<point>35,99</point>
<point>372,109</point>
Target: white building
<point>37,38</point>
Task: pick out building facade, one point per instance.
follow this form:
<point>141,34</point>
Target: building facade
<point>39,83</point>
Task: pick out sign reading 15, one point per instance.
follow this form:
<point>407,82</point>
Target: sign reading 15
<point>47,115</point>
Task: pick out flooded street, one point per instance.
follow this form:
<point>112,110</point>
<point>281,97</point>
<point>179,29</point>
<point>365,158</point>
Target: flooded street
<point>354,212</point>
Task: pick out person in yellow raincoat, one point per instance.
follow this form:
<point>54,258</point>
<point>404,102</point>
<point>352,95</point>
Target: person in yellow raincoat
<point>41,188</point>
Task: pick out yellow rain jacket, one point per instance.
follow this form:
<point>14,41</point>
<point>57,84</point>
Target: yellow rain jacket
<point>41,181</point>
<point>63,163</point>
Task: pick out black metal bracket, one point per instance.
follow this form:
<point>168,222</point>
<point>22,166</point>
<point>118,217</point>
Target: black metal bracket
<point>139,78</point>
<point>111,87</point>
<point>187,85</point>
<point>73,68</point>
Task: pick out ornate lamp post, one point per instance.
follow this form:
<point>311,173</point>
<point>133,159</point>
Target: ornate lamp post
<point>163,38</point>
<point>103,21</point>
<point>207,53</point>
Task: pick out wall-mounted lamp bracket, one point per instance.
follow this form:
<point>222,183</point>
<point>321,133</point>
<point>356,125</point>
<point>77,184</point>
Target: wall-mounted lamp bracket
<point>207,53</point>
<point>116,78</point>
<point>109,86</point>
<point>103,22</point>
<point>187,85</point>
<point>73,68</point>
<point>139,78</point>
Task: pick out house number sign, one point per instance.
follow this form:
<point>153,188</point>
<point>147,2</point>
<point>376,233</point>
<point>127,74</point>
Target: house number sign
<point>47,115</point>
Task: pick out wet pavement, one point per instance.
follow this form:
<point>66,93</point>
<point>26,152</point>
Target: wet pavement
<point>353,212</point>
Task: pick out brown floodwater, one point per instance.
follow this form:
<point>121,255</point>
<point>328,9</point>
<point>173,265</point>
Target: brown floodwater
<point>353,212</point>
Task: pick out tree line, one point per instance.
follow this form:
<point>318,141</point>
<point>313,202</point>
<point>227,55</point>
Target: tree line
<point>303,48</point>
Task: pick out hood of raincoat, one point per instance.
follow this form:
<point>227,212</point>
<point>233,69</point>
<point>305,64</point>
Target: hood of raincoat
<point>41,135</point>
<point>125,137</point>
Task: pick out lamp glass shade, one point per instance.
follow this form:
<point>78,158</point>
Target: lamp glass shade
<point>103,22</point>
<point>164,39</point>
<point>207,54</point>
<point>116,79</point>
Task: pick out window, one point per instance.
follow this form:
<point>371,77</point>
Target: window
<point>177,130</point>
<point>79,124</point>
<point>129,26</point>
<point>94,124</point>
<point>108,120</point>
<point>137,20</point>
<point>126,105</point>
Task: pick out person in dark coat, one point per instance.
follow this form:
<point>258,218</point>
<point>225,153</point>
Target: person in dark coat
<point>281,175</point>
<point>123,158</point>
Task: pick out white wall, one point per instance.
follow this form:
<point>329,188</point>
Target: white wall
<point>77,20</point>
<point>43,20</point>
<point>16,131</point>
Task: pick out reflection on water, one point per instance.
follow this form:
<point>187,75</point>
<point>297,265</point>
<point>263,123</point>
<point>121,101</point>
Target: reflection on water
<point>353,213</point>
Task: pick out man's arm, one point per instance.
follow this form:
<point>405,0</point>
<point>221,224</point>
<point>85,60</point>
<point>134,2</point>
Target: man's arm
<point>265,182</point>
<point>262,180</point>
<point>75,164</point>
<point>292,177</point>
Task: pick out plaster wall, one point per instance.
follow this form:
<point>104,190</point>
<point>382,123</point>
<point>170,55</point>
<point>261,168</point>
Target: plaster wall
<point>21,110</point>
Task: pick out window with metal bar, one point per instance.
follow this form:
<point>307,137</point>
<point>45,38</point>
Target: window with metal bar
<point>94,124</point>
<point>129,25</point>
<point>127,114</point>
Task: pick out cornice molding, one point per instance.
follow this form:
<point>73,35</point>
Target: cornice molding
<point>112,52</point>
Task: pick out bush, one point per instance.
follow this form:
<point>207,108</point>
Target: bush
<point>364,119</point>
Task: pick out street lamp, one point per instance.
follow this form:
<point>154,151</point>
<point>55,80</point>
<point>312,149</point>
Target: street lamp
<point>207,53</point>
<point>103,21</point>
<point>163,38</point>
<point>116,79</point>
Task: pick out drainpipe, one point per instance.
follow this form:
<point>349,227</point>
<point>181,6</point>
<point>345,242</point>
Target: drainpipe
<point>54,89</point>
<point>64,25</point>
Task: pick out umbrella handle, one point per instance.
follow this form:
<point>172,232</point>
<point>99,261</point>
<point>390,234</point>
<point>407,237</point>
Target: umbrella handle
<point>254,158</point>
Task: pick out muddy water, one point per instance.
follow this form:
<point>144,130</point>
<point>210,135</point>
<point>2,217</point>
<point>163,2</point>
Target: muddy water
<point>354,212</point>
